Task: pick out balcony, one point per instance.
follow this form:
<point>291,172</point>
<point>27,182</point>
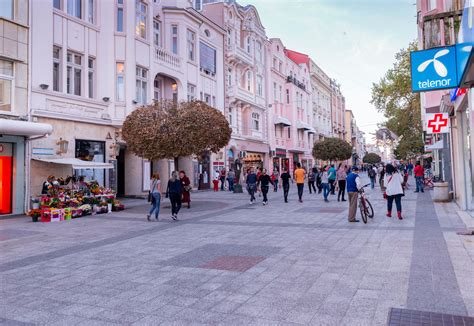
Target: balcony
<point>241,94</point>
<point>167,58</point>
<point>240,55</point>
<point>291,79</point>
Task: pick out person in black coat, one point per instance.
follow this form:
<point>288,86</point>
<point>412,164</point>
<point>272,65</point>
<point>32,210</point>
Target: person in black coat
<point>265,181</point>
<point>174,192</point>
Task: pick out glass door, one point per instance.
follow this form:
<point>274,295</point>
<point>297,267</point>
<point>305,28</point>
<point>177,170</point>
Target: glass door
<point>6,177</point>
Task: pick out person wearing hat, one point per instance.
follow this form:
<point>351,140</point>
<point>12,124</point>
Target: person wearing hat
<point>353,185</point>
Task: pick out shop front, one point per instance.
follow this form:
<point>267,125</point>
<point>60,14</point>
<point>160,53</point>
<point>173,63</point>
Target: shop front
<point>253,160</point>
<point>280,161</point>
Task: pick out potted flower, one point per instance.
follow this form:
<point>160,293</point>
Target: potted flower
<point>35,214</point>
<point>110,202</point>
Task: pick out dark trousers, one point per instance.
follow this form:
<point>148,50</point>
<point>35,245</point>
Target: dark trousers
<point>342,189</point>
<point>332,184</point>
<point>251,189</point>
<point>398,202</point>
<point>311,187</point>
<point>300,190</point>
<point>319,184</point>
<point>286,190</point>
<point>275,185</point>
<point>264,193</point>
<point>222,183</point>
<point>231,184</point>
<point>175,200</point>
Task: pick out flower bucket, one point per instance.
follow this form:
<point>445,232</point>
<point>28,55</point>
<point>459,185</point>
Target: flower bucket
<point>109,208</point>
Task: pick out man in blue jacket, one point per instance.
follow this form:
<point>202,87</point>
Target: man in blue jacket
<point>353,185</point>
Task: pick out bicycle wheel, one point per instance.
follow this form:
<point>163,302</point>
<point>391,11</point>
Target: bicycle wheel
<point>363,212</point>
<point>369,209</point>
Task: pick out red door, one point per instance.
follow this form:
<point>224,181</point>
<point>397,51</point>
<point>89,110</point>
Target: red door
<point>6,174</point>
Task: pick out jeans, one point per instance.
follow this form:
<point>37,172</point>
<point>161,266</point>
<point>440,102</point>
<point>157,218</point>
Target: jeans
<point>155,204</point>
<point>222,183</point>
<point>275,185</point>
<point>251,189</point>
<point>311,187</point>
<point>332,185</point>
<point>286,190</point>
<point>325,190</point>
<point>419,184</point>
<point>398,202</point>
<point>175,200</point>
<point>231,184</point>
<point>342,189</point>
<point>372,183</point>
<point>300,190</point>
<point>264,193</point>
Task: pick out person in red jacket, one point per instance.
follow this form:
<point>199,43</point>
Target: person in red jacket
<point>419,177</point>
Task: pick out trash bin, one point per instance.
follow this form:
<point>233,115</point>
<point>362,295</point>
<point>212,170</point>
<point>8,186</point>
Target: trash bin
<point>441,192</point>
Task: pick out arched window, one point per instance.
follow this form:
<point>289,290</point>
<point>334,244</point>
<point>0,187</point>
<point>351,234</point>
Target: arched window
<point>255,121</point>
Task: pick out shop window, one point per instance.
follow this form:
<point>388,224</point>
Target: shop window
<point>93,151</point>
<point>6,85</point>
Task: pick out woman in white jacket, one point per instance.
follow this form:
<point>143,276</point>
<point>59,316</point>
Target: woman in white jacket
<point>393,182</point>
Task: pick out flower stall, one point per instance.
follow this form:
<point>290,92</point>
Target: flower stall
<point>69,198</point>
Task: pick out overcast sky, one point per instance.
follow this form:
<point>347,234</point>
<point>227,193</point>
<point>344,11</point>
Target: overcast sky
<point>354,41</point>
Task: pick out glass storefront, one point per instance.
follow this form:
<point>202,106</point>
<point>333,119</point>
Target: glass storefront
<point>94,151</point>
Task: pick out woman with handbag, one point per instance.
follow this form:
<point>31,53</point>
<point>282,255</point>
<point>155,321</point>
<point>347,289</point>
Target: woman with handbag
<point>393,182</point>
<point>154,196</point>
<point>186,188</point>
<point>174,192</point>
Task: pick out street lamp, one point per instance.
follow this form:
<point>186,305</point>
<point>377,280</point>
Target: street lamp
<point>63,146</point>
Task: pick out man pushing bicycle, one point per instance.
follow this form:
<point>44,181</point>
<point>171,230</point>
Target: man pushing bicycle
<point>353,185</point>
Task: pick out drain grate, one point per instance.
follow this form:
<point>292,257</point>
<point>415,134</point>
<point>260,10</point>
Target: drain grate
<point>408,317</point>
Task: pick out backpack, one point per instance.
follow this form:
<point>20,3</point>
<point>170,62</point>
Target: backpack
<point>372,173</point>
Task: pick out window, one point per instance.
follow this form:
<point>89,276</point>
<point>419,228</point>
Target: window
<point>229,78</point>
<point>279,67</point>
<point>259,51</point>
<point>74,8</point>
<point>249,81</point>
<point>259,86</point>
<point>207,99</point>
<point>229,37</point>
<point>249,47</point>
<point>120,82</point>
<point>74,73</point>
<point>90,11</point>
<point>431,4</point>
<point>287,96</point>
<point>57,69</point>
<point>91,76</point>
<point>157,89</point>
<point>255,121</point>
<point>274,63</point>
<point>191,92</point>
<point>281,94</point>
<point>93,151</point>
<point>191,36</point>
<point>120,15</point>
<point>6,85</point>
<point>213,101</point>
<point>198,4</point>
<point>231,120</point>
<point>140,19</point>
<point>57,4</point>
<point>289,133</point>
<point>174,39</point>
<point>157,33</point>
<point>207,58</point>
<point>141,85</point>
<point>275,92</point>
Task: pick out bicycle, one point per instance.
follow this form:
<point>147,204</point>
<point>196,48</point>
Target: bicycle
<point>365,206</point>
<point>428,179</point>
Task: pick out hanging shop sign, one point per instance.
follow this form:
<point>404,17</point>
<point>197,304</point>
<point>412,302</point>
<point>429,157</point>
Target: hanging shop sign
<point>437,123</point>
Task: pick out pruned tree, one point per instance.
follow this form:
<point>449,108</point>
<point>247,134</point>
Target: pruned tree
<point>332,149</point>
<point>372,158</point>
<point>169,130</point>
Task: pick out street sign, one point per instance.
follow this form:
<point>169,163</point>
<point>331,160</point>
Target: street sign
<point>433,69</point>
<point>437,123</point>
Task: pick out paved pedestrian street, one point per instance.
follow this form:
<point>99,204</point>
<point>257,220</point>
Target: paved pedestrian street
<point>230,263</point>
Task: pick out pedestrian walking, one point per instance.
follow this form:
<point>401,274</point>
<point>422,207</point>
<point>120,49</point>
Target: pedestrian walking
<point>222,178</point>
<point>174,192</point>
<point>318,180</point>
<point>285,181</point>
<point>325,183</point>
<point>332,179</point>
<point>419,177</point>
<point>312,180</point>
<point>341,176</point>
<point>251,184</point>
<point>353,185</point>
<point>299,176</point>
<point>186,183</point>
<point>231,179</point>
<point>265,181</point>
<point>155,192</point>
<point>372,175</point>
<point>259,174</point>
<point>394,190</point>
<point>275,177</point>
<point>381,173</point>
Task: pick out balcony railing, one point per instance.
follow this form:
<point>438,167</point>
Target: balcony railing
<point>168,58</point>
<point>291,79</point>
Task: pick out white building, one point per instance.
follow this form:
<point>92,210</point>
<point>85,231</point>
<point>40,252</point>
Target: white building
<point>94,62</point>
<point>321,101</point>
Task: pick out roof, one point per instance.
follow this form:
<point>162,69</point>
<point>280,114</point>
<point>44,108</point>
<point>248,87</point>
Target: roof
<point>297,57</point>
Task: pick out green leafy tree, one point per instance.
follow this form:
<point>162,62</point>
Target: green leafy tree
<point>393,97</point>
<point>332,149</point>
<point>371,158</point>
<point>169,130</point>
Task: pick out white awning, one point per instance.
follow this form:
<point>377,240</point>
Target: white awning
<point>76,163</point>
<point>282,121</point>
<point>436,146</point>
<point>24,128</point>
<point>305,126</point>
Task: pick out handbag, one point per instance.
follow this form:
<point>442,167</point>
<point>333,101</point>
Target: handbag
<point>149,196</point>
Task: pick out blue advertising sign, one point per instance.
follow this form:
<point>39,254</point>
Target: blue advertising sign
<point>433,69</point>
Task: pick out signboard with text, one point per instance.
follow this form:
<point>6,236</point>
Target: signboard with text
<point>433,69</point>
<point>437,123</point>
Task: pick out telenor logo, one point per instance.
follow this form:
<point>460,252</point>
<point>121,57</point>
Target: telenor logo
<point>439,67</point>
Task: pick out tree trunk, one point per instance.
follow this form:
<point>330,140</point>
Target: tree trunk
<point>176,159</point>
